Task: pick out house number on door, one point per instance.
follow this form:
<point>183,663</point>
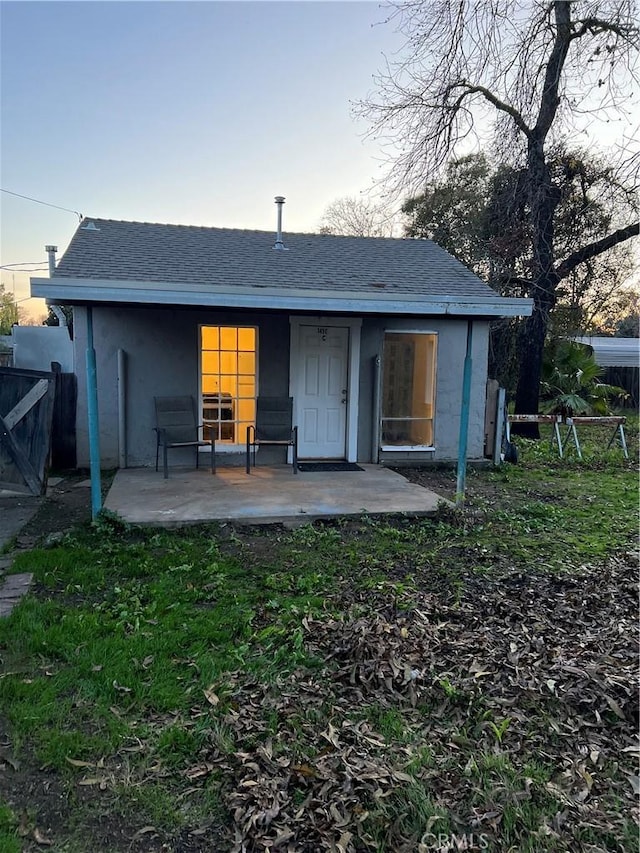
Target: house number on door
<point>323,333</point>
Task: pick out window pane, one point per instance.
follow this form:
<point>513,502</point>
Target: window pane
<point>228,338</point>
<point>408,388</point>
<point>210,362</point>
<point>246,340</point>
<point>210,384</point>
<point>228,370</point>
<point>229,384</point>
<point>398,376</point>
<point>247,363</point>
<point>210,337</point>
<point>246,410</point>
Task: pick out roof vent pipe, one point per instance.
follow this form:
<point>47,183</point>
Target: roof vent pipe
<point>279,244</point>
<point>51,252</point>
<point>59,313</point>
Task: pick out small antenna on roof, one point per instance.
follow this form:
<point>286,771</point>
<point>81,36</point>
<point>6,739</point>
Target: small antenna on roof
<point>279,244</point>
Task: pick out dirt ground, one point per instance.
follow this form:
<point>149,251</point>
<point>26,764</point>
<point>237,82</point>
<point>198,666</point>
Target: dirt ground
<point>67,504</point>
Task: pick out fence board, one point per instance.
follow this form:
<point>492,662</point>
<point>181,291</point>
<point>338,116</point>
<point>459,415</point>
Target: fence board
<point>25,428</point>
<point>63,436</point>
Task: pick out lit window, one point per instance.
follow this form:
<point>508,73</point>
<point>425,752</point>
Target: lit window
<point>228,370</point>
<point>408,389</point>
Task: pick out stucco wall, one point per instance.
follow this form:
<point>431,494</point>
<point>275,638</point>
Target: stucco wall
<point>452,342</point>
<point>161,347</point>
<point>161,350</point>
<point>35,347</point>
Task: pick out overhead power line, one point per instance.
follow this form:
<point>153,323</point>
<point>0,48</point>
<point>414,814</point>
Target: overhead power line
<point>20,264</point>
<point>8,267</point>
<point>46,203</point>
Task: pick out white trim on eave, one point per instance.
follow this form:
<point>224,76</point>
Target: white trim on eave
<point>66,291</point>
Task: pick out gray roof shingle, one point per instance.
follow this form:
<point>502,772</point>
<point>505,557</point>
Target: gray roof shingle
<point>226,257</point>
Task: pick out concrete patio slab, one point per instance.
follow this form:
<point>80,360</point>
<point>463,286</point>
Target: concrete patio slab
<point>267,495</point>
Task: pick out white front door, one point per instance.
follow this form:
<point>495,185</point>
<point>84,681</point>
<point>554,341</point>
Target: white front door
<point>322,392</point>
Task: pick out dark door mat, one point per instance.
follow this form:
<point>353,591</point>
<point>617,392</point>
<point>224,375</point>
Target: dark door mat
<point>309,467</point>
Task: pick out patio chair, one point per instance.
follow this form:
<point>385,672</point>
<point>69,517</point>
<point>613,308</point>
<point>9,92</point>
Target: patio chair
<point>274,416</point>
<point>177,426</point>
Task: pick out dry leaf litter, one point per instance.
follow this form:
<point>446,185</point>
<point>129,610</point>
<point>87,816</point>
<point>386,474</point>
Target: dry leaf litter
<point>526,668</point>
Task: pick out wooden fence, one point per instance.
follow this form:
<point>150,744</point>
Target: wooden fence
<point>63,436</point>
<point>26,414</point>
<point>37,426</point>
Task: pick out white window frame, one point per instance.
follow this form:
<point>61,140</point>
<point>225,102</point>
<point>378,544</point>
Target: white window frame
<point>409,448</point>
<point>237,446</point>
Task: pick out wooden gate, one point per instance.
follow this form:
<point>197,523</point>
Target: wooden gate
<point>63,431</point>
<point>26,412</point>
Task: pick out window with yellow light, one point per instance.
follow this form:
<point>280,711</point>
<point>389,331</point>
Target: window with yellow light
<point>228,381</point>
<point>408,390</point>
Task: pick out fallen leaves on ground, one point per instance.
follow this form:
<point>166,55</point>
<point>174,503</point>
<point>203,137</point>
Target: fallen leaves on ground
<point>535,671</point>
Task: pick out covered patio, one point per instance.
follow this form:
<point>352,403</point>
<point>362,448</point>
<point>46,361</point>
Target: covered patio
<point>268,495</point>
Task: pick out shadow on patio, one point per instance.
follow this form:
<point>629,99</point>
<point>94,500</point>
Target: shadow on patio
<point>267,495</point>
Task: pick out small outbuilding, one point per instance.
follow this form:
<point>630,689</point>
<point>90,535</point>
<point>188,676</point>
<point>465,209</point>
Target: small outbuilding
<point>620,360</point>
<point>368,336</point>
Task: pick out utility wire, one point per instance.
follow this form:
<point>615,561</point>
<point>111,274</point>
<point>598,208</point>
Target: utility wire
<point>34,269</point>
<point>38,201</point>
<point>19,264</point>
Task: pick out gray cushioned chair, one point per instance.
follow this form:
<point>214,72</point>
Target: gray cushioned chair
<point>274,416</point>
<point>177,426</point>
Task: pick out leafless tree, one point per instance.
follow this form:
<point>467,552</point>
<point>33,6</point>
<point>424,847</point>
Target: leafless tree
<point>524,75</point>
<point>357,217</point>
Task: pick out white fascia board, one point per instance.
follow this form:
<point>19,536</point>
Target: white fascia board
<point>83,291</point>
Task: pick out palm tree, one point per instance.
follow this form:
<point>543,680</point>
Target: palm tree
<point>570,381</point>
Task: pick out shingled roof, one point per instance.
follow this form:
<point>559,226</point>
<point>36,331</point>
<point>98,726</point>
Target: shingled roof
<point>179,264</point>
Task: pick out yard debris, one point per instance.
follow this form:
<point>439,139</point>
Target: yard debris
<point>146,830</point>
<point>211,696</point>
<point>542,665</point>
<point>41,839</point>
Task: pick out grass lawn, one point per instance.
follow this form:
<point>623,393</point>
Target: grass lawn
<point>371,685</point>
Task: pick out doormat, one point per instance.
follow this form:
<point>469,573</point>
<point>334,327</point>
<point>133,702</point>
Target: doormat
<point>309,467</point>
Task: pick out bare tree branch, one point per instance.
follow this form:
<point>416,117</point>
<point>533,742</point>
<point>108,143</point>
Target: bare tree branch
<point>550,99</point>
<point>357,217</point>
<point>521,75</point>
<point>596,248</point>
<point>494,101</point>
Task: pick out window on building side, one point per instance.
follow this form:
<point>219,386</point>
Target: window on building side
<point>228,381</point>
<point>408,390</point>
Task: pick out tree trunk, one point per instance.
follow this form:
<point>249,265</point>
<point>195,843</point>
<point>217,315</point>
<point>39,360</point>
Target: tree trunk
<point>543,200</point>
<point>531,338</point>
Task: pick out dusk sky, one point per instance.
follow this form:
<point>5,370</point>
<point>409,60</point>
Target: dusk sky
<point>183,112</point>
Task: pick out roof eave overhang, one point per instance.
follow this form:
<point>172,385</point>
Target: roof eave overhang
<point>82,291</point>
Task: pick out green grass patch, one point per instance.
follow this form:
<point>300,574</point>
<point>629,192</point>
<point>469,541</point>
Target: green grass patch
<point>9,840</point>
<point>121,668</point>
